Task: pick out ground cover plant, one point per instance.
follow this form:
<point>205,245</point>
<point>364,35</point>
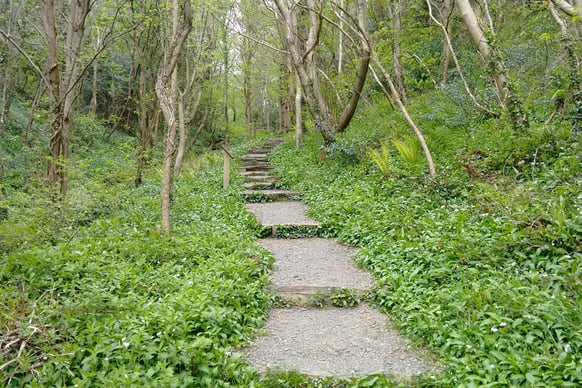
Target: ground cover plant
<point>103,299</point>
<point>482,266</point>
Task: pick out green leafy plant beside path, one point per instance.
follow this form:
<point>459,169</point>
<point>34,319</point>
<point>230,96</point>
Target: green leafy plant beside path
<point>484,270</point>
<point>118,304</point>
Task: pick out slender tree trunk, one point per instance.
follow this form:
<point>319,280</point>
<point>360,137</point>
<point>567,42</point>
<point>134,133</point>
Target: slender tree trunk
<point>142,103</point>
<point>167,105</point>
<point>360,79</point>
<point>407,117</point>
<point>62,95</point>
<point>4,109</point>
<point>572,60</point>
<point>448,30</point>
<point>340,43</point>
<point>93,103</point>
<point>496,67</point>
<point>183,137</point>
<point>298,117</point>
<point>397,69</point>
<point>302,55</point>
<point>226,65</point>
<point>248,92</point>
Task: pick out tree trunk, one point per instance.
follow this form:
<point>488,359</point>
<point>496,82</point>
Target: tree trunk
<point>183,137</point>
<point>360,79</point>
<point>397,71</point>
<point>340,42</point>
<point>572,60</point>
<point>167,105</point>
<point>302,57</point>
<point>142,122</point>
<point>298,117</point>
<point>496,67</point>
<point>448,30</point>
<point>248,92</point>
<point>407,117</point>
<point>93,103</point>
<point>62,95</point>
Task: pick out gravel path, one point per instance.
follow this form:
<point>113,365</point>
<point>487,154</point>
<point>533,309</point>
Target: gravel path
<point>315,262</point>
<point>333,342</point>
<point>281,213</point>
<point>322,342</point>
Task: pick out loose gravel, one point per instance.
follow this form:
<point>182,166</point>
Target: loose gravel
<point>315,262</point>
<point>281,213</point>
<point>333,342</point>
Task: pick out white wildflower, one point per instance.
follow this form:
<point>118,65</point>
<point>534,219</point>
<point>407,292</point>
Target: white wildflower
<point>567,348</point>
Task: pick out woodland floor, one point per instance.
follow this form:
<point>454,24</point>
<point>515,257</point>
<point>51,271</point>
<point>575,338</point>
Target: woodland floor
<point>307,333</point>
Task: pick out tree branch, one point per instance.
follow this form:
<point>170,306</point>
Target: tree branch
<point>26,56</point>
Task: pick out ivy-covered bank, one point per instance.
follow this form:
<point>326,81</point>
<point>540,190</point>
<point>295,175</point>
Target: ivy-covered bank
<point>101,298</point>
<point>481,267</point>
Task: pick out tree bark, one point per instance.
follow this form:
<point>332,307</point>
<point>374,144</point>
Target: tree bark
<point>448,30</point>
<point>248,91</point>
<point>397,69</point>
<point>572,60</point>
<point>298,117</point>
<point>167,105</point>
<point>407,117</point>
<point>304,61</point>
<point>569,9</point>
<point>183,137</point>
<point>496,67</point>
<point>360,79</point>
<point>62,95</point>
<point>93,103</point>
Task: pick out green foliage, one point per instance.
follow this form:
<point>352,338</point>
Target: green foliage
<point>277,378</point>
<point>101,298</point>
<point>408,148</point>
<point>382,159</point>
<point>480,267</point>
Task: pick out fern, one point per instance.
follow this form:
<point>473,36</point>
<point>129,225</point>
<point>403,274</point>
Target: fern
<point>381,158</point>
<point>408,148</point>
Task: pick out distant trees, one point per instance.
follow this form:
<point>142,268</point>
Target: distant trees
<point>493,59</point>
<point>302,43</point>
<point>290,65</point>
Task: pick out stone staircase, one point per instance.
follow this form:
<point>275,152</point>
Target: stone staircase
<point>309,333</point>
<point>256,170</point>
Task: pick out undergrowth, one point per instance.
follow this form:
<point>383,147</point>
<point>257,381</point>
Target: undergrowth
<point>93,295</point>
<point>483,266</point>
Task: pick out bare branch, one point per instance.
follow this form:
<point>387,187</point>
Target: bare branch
<point>26,56</point>
<point>457,65</point>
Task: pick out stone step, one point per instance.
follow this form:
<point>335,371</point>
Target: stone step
<point>255,157</point>
<point>334,342</point>
<point>257,186</point>
<point>274,142</point>
<point>282,213</point>
<point>256,163</point>
<point>271,195</point>
<point>259,169</point>
<point>304,266</point>
<point>250,174</point>
<point>261,179</point>
<point>260,150</point>
<point>319,296</point>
